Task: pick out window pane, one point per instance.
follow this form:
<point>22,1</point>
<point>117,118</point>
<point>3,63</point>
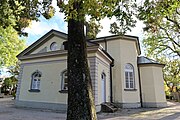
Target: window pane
<point>38,84</point>
<point>131,85</point>
<point>33,85</point>
<point>36,80</point>
<point>127,84</point>
<point>127,79</point>
<point>131,74</point>
<point>53,46</point>
<point>126,76</point>
<point>64,81</point>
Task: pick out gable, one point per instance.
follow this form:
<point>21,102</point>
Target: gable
<point>43,44</point>
<point>46,47</point>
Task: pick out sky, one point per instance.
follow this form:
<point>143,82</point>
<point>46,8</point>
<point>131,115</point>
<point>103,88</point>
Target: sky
<point>4,72</point>
<point>38,29</point>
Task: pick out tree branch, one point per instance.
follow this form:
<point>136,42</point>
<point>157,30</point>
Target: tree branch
<point>169,37</point>
<point>173,21</point>
<point>177,11</point>
<point>175,51</point>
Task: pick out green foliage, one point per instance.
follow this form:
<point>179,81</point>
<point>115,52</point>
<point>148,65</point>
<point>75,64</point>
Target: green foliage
<point>7,82</point>
<point>162,20</point>
<point>162,35</point>
<point>122,10</point>
<point>172,72</point>
<point>92,28</point>
<point>11,82</point>
<point>124,13</point>
<point>20,13</point>
<point>10,45</point>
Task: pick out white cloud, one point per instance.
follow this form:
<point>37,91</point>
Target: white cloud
<point>136,31</point>
<point>37,29</point>
<point>105,23</point>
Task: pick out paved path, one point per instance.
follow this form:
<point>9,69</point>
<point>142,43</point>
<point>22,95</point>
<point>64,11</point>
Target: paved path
<point>9,112</point>
<point>172,112</point>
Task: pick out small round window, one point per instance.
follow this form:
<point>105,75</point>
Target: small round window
<point>53,46</point>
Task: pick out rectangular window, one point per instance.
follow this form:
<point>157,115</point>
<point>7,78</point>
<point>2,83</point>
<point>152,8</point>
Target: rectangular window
<point>129,80</point>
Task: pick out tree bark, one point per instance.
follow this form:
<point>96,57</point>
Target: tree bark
<point>80,96</point>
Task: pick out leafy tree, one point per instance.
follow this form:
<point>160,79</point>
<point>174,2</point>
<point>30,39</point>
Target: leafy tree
<point>162,20</point>
<point>162,35</point>
<point>18,13</point>
<point>80,98</point>
<point>10,45</point>
<point>171,72</point>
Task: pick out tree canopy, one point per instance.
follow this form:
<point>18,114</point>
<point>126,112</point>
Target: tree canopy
<point>19,14</point>
<point>162,35</point>
<point>162,20</point>
<point>10,46</point>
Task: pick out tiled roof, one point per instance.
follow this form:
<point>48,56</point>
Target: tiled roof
<point>145,60</point>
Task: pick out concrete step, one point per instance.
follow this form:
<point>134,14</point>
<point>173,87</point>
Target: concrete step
<point>108,107</point>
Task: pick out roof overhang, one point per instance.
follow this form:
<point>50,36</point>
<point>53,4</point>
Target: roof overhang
<point>124,37</point>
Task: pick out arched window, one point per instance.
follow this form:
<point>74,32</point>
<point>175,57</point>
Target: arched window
<point>53,46</point>
<point>129,76</point>
<point>35,82</point>
<point>64,81</point>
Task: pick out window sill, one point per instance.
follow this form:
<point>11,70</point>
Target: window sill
<point>130,89</point>
<point>34,90</point>
<point>63,91</point>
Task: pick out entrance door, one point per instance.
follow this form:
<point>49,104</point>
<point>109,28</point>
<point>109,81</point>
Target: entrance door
<point>103,87</point>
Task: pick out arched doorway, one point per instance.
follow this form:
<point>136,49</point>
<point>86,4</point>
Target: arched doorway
<point>103,87</point>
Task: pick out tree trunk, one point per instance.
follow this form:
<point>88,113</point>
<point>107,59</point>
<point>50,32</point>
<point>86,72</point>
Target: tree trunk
<point>80,96</point>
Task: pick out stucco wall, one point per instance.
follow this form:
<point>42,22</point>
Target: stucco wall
<point>50,82</point>
<point>103,67</point>
<point>123,52</point>
<point>113,49</point>
<point>153,94</point>
<point>51,68</point>
<point>128,54</point>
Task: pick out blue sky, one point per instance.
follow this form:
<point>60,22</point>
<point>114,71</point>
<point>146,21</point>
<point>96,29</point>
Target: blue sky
<point>38,29</point>
<point>4,72</point>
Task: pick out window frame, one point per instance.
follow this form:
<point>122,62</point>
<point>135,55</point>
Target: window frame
<point>62,90</point>
<point>53,46</point>
<point>129,77</point>
<point>37,82</point>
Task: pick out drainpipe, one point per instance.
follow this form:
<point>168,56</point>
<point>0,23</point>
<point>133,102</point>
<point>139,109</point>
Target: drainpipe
<point>111,92</point>
<point>105,45</point>
<point>140,88</point>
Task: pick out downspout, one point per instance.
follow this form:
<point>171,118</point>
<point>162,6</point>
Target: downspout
<point>105,44</point>
<point>140,88</point>
<point>111,65</point>
<point>111,92</point>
